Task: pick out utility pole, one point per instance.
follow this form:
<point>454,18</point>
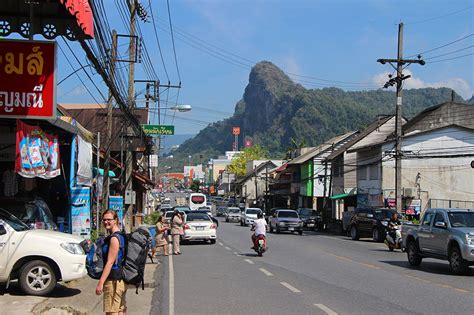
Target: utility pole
<point>398,120</point>
<point>266,188</point>
<point>108,135</point>
<point>131,95</point>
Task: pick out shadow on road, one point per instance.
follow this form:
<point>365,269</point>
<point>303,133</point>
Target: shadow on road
<point>60,291</point>
<point>249,254</point>
<point>427,267</point>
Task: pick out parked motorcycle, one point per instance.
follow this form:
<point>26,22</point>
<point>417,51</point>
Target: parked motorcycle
<point>393,240</point>
<point>260,245</point>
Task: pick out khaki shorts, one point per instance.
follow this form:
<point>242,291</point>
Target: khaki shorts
<point>114,296</point>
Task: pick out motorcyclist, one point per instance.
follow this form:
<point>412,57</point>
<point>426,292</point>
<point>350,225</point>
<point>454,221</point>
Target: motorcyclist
<point>393,227</point>
<point>259,227</point>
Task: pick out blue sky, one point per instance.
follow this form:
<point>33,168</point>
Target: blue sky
<point>333,40</point>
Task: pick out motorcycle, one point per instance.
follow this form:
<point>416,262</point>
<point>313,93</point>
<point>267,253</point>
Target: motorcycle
<point>260,244</point>
<point>394,243</point>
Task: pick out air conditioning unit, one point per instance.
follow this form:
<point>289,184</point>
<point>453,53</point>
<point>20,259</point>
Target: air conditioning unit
<point>408,192</point>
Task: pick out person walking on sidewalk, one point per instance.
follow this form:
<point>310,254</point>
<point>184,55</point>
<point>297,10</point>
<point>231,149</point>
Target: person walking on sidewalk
<point>177,230</point>
<point>161,236</point>
<point>111,283</point>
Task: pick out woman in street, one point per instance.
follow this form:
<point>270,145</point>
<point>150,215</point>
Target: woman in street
<point>176,230</point>
<point>161,236</point>
<point>111,283</point>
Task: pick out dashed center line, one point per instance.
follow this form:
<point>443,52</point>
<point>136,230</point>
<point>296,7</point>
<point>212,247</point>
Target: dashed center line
<point>228,248</point>
<point>326,309</point>
<point>249,261</point>
<point>290,287</point>
<point>221,244</point>
<point>266,272</point>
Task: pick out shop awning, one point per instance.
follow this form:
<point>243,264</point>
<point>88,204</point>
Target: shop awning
<point>341,196</point>
<point>101,172</point>
<point>81,10</point>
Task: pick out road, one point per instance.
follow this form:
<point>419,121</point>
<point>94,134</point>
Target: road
<point>309,274</point>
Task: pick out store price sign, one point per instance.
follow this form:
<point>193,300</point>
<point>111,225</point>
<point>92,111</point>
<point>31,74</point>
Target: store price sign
<point>27,79</point>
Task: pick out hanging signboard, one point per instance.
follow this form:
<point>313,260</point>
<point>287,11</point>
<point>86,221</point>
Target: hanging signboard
<point>81,211</point>
<point>158,130</point>
<point>116,204</point>
<point>27,79</point>
<point>37,153</point>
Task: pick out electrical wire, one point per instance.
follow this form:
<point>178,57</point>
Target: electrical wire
<point>457,57</point>
<point>449,53</point>
<point>172,39</point>
<point>158,40</point>
<point>442,46</point>
<point>440,16</point>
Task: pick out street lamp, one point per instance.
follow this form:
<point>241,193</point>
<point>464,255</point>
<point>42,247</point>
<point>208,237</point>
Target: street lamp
<point>181,108</point>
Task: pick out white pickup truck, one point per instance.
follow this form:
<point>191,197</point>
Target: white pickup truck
<point>37,258</point>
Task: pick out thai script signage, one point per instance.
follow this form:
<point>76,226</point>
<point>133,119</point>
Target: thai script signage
<point>162,130</point>
<point>37,153</point>
<point>27,79</point>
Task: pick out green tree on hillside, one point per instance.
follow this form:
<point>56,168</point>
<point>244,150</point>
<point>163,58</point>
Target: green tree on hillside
<point>238,165</point>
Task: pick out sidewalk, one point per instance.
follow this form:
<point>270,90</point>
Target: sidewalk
<point>79,298</point>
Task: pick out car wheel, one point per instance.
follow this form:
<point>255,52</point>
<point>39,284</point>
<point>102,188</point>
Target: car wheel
<point>413,254</point>
<point>37,278</point>
<point>300,232</point>
<point>213,241</point>
<point>376,235</point>
<point>354,233</point>
<point>457,264</point>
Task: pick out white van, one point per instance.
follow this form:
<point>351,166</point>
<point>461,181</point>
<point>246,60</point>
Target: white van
<point>197,200</point>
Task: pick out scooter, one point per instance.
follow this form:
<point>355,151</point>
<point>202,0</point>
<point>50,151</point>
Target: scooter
<point>260,245</point>
<point>394,243</point>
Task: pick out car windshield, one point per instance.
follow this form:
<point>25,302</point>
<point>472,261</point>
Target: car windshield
<point>13,221</point>
<point>168,214</point>
<point>461,219</point>
<point>236,210</point>
<point>182,208</point>
<point>253,211</point>
<point>287,214</point>
<point>383,213</point>
<point>197,217</point>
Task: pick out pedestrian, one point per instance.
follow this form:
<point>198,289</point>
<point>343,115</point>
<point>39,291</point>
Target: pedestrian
<point>161,236</point>
<point>111,283</point>
<point>176,230</point>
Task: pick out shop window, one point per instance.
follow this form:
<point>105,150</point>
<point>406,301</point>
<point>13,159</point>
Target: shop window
<point>374,171</point>
<point>363,172</point>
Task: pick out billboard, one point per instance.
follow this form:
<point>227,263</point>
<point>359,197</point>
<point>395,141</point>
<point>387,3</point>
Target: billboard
<point>27,79</point>
<point>81,211</point>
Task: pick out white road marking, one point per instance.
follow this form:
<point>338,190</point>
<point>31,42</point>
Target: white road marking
<point>228,248</point>
<point>266,272</point>
<point>171,283</point>
<point>326,309</point>
<point>221,244</point>
<point>235,253</point>
<point>249,261</point>
<point>290,287</point>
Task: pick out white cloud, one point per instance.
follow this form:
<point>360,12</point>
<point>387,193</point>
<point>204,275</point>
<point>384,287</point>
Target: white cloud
<point>78,91</point>
<point>457,84</point>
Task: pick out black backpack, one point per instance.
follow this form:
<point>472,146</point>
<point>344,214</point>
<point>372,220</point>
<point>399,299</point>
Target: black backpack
<point>136,251</point>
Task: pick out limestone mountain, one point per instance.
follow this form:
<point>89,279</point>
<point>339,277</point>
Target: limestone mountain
<point>274,112</point>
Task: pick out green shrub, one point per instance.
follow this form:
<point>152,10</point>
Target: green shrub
<point>152,219</point>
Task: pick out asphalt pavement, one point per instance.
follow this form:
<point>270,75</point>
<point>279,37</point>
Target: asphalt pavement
<point>310,274</point>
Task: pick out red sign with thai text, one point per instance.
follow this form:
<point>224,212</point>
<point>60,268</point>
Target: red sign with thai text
<point>27,79</point>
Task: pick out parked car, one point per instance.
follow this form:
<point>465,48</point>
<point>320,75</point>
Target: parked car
<point>165,207</point>
<point>221,211</point>
<point>311,218</point>
<point>446,234</point>
<point>270,213</point>
<point>286,220</point>
<point>233,214</point>
<point>181,208</point>
<point>38,258</point>
<point>249,215</point>
<point>366,222</point>
<point>199,226</point>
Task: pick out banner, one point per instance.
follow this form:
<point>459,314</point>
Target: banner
<point>37,153</point>
<point>116,204</point>
<point>84,162</point>
<point>81,211</point>
<point>27,79</point>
